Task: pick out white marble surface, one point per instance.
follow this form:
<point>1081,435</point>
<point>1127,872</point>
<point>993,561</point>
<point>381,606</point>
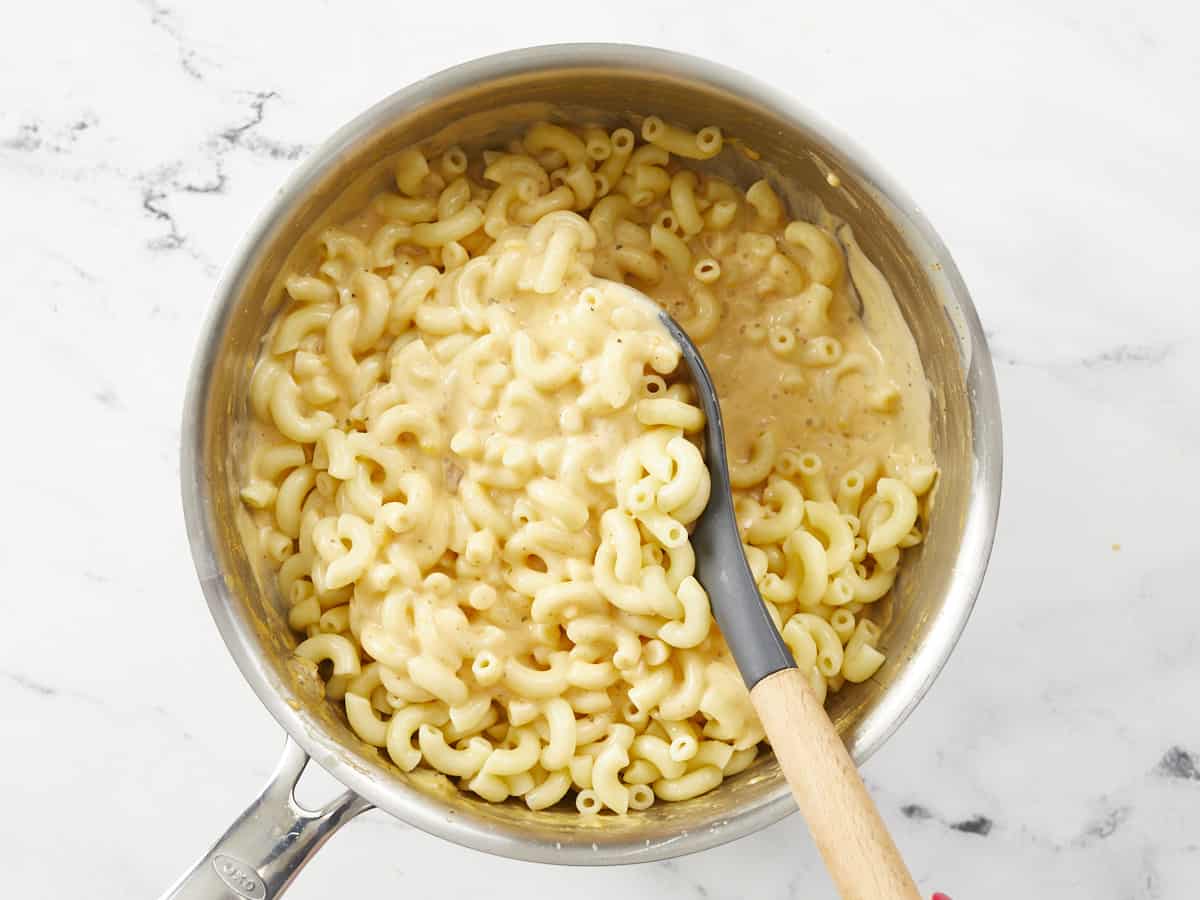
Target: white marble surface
<point>1053,144</point>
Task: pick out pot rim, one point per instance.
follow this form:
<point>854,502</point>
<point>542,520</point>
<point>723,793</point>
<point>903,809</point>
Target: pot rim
<point>426,812</point>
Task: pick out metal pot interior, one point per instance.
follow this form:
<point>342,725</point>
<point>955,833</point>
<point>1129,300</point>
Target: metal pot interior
<point>471,105</point>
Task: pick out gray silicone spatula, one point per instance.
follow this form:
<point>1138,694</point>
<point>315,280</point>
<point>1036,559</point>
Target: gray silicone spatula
<point>858,850</point>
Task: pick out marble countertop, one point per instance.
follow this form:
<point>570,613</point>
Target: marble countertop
<point>1049,142</point>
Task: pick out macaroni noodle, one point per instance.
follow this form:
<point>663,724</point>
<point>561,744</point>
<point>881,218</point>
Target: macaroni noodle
<point>474,468</point>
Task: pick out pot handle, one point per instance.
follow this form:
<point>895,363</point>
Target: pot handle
<point>269,843</point>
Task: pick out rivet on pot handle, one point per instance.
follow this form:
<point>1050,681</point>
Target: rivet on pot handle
<point>270,842</point>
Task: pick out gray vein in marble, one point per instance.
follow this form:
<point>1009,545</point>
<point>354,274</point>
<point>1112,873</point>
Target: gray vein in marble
<point>50,692</point>
<point>795,884</point>
<point>980,825</point>
<point>1100,829</point>
<point>32,136</point>
<point>1105,827</point>
<point>28,138</point>
<point>108,398</point>
<point>247,137</point>
<point>1149,876</point>
<point>30,685</point>
<point>680,873</point>
<point>1179,763</point>
<point>37,142</point>
<point>71,265</point>
<point>1096,831</point>
<point>42,689</point>
<point>1124,356</point>
<point>977,824</point>
<point>159,185</point>
<point>152,199</point>
<point>167,21</point>
<point>1127,355</point>
<point>157,188</point>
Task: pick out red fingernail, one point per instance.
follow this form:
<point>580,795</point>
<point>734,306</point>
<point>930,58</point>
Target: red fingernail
<point>940,896</point>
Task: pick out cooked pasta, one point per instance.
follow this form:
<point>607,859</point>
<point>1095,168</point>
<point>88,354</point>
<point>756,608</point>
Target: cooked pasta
<point>474,468</point>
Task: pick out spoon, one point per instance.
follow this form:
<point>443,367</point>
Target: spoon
<point>858,851</point>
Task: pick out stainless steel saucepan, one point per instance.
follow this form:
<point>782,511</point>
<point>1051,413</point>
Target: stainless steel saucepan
<point>274,837</point>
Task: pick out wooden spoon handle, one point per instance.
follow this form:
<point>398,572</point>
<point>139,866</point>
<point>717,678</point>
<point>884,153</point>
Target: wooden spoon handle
<point>858,850</point>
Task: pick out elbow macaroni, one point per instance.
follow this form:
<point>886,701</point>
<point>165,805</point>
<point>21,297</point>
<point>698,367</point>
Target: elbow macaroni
<point>475,473</point>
